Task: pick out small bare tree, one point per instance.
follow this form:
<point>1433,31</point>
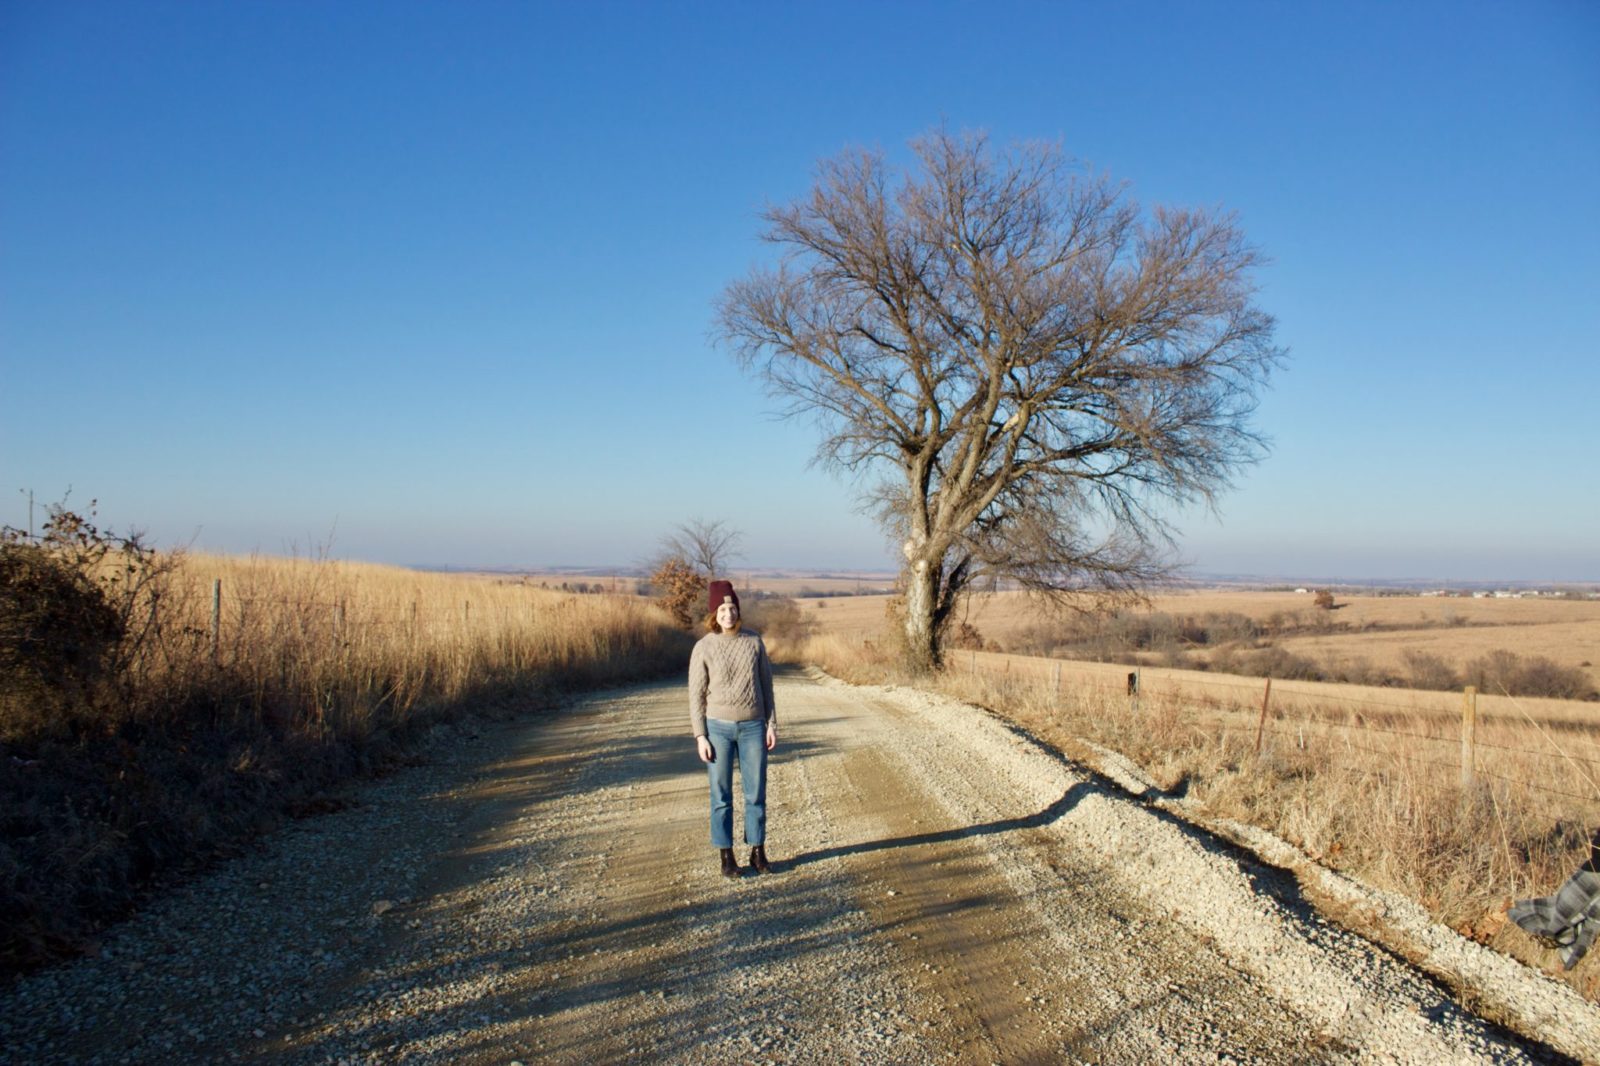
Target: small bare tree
<point>707,546</point>
<point>1041,365</point>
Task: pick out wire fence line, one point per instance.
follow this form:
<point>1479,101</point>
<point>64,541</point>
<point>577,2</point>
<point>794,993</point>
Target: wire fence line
<point>1303,722</point>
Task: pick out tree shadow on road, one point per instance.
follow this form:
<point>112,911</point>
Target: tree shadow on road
<point>1060,807</point>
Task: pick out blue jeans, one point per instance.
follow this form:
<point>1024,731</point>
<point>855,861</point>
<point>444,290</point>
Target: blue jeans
<point>745,742</point>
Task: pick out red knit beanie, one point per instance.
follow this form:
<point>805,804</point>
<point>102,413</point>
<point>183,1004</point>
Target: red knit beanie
<point>720,592</point>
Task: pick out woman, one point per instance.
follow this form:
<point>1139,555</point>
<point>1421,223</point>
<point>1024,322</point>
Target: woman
<point>733,717</point>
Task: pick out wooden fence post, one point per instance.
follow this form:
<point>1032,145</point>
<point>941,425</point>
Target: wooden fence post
<point>1469,735</point>
<point>1056,684</point>
<point>216,619</point>
<point>1261,723</point>
<point>974,662</point>
<point>338,625</point>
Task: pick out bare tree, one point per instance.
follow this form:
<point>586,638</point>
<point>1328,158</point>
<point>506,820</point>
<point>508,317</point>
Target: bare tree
<point>707,546</point>
<point>1037,365</point>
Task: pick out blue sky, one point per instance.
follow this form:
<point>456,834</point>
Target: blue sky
<point>437,278</point>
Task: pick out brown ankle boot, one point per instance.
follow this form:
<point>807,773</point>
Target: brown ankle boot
<point>758,859</point>
<point>730,866</point>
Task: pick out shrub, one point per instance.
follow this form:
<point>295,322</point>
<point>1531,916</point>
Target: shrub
<point>1426,670</point>
<point>680,590</point>
<point>68,601</point>
<point>1509,673</point>
<point>1279,663</point>
<point>776,618</point>
<point>964,636</point>
<point>1230,626</point>
<point>57,635</point>
<point>1540,676</point>
<point>1357,670</point>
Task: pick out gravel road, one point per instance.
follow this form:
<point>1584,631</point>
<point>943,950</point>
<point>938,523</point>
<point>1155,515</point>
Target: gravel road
<point>944,891</point>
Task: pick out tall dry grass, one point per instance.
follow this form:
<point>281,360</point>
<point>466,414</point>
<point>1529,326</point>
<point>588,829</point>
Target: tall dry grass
<point>1373,789</point>
<point>348,648</point>
<point>213,728</point>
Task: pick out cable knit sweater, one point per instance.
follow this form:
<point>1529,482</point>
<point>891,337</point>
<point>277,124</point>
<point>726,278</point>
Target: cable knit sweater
<point>730,678</point>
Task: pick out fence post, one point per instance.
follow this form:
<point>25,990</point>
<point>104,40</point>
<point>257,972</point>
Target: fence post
<point>1469,734</point>
<point>338,625</point>
<point>216,619</point>
<point>974,662</point>
<point>1261,723</point>
<point>1057,681</point>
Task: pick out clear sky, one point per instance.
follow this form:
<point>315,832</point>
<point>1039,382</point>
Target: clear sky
<point>437,278</point>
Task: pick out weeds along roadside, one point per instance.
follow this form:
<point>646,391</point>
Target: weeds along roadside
<point>244,690</point>
<point>1385,806</point>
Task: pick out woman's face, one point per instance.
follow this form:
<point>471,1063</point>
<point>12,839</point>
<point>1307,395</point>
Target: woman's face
<point>727,616</point>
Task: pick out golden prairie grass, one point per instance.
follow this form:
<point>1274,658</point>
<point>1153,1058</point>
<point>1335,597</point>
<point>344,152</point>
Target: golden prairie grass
<point>1377,631</point>
<point>218,723</point>
<point>347,646</point>
<point>1370,786</point>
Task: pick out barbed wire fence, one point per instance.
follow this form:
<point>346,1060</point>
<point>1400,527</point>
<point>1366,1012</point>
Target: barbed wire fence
<point>1557,758</point>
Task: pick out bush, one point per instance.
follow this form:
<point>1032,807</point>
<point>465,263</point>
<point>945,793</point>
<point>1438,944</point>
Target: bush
<point>1267,662</point>
<point>776,618</point>
<point>1426,670</point>
<point>68,601</point>
<point>1506,672</point>
<point>1229,627</point>
<point>963,636</point>
<point>680,590</point>
<point>1277,662</point>
<point>58,633</point>
<point>1357,670</point>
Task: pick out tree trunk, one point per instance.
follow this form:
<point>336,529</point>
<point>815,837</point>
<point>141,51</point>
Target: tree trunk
<point>922,645</point>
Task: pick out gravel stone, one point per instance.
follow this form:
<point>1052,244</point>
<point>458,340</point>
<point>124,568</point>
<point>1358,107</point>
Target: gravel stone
<point>944,891</point>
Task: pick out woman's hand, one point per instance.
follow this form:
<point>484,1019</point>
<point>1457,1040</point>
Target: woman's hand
<point>772,735</point>
<point>703,746</point>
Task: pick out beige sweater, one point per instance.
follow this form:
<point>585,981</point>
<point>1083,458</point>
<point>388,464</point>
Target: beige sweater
<point>730,678</point>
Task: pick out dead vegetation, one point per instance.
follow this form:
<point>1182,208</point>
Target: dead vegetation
<point>1235,643</point>
<point>1537,647</point>
<point>157,711</point>
<point>1371,788</point>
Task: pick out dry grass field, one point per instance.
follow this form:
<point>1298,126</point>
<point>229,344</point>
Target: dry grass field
<point>225,713</point>
<point>1364,779</point>
<point>1379,629</point>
